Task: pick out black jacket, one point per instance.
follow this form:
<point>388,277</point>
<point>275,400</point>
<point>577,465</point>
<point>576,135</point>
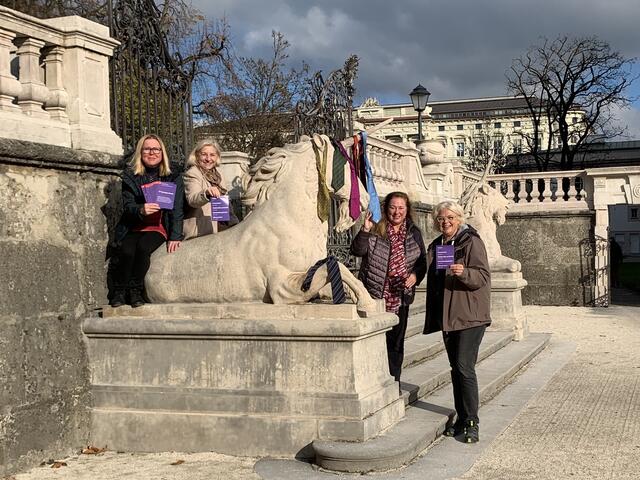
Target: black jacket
<point>376,250</point>
<point>133,200</point>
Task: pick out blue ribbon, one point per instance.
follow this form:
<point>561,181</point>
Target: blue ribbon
<point>374,201</point>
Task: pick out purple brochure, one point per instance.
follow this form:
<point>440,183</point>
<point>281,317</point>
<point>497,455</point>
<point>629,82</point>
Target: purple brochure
<point>444,256</point>
<point>220,208</point>
<point>150,191</point>
<point>165,195</point>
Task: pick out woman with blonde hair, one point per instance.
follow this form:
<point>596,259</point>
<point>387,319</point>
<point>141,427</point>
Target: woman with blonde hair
<point>202,182</point>
<point>144,226</point>
<point>458,304</point>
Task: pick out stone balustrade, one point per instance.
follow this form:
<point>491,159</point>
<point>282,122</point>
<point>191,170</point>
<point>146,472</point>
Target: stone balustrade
<point>542,190</point>
<point>396,167</point>
<point>54,81</point>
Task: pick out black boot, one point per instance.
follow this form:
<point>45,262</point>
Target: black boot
<point>119,298</point>
<point>471,432</point>
<point>454,429</point>
<point>137,300</point>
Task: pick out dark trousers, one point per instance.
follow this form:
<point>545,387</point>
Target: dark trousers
<point>134,257</point>
<point>462,349</point>
<point>395,343</point>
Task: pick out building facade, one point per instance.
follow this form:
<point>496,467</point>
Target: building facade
<point>502,124</point>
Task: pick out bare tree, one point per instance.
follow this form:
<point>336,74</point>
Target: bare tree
<point>252,109</point>
<point>488,148</point>
<point>571,86</point>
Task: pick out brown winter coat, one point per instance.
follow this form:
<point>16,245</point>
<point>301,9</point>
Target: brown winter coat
<point>467,298</point>
<point>375,252</point>
<point>197,217</point>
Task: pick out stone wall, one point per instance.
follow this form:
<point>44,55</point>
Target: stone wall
<point>55,208</point>
<point>547,244</point>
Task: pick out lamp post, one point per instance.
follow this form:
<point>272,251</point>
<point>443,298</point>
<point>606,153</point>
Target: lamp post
<point>419,98</point>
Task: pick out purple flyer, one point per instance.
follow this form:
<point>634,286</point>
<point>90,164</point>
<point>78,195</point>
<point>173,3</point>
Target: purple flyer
<point>220,208</point>
<point>444,256</point>
<point>165,195</point>
<point>150,191</point>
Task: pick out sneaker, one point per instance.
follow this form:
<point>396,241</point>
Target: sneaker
<point>136,298</point>
<point>119,298</point>
<point>454,429</point>
<point>471,432</point>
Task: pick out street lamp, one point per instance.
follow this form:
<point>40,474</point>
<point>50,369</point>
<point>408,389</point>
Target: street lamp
<point>419,98</point>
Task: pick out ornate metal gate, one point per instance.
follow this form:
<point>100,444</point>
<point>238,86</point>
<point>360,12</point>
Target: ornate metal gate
<point>327,109</point>
<point>594,266</point>
<point>149,91</point>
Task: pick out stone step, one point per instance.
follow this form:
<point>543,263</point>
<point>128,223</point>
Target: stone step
<point>426,418</point>
<point>419,348</point>
<point>415,323</point>
<point>422,379</point>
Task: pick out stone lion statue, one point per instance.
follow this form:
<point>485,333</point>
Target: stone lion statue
<point>486,208</point>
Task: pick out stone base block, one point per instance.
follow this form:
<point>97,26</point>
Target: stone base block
<point>506,303</point>
<point>250,379</point>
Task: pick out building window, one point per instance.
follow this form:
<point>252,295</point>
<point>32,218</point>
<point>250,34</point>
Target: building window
<point>516,123</point>
<point>393,138</point>
<point>517,145</point>
<point>478,126</point>
<point>497,147</point>
<point>460,149</point>
<point>459,127</point>
<point>441,128</point>
<point>497,125</point>
<point>633,214</point>
<point>634,243</point>
<point>574,120</point>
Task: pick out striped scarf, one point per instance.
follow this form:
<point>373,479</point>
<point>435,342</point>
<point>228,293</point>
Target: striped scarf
<point>397,271</point>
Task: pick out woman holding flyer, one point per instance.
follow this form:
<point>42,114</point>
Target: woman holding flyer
<point>205,189</point>
<point>393,264</point>
<point>152,215</point>
<point>458,303</point>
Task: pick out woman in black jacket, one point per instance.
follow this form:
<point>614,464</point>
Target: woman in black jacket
<point>144,225</point>
<point>393,264</point>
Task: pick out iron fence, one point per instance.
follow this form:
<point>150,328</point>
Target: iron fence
<point>149,92</point>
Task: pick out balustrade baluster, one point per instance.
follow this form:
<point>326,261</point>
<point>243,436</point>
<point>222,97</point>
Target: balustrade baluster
<point>572,192</point>
<point>546,189</point>
<point>10,87</point>
<point>58,98</point>
<point>34,92</point>
<point>510,195</point>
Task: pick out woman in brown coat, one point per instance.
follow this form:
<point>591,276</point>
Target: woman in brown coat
<point>458,303</point>
<point>393,264</point>
<point>202,181</point>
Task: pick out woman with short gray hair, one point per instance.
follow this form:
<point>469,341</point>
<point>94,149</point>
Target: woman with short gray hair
<point>458,304</point>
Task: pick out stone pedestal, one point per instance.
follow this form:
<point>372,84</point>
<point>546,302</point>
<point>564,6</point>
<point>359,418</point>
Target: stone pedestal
<point>243,379</point>
<point>506,303</point>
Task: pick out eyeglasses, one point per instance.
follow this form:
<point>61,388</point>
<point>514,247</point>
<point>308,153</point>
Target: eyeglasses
<point>442,219</point>
<point>153,150</point>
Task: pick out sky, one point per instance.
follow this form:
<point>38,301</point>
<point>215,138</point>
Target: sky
<point>455,48</point>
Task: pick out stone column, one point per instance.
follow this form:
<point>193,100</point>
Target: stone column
<point>58,98</point>
<point>9,85</point>
<point>34,92</point>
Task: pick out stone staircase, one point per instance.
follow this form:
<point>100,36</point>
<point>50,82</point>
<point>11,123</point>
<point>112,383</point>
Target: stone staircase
<point>428,397</point>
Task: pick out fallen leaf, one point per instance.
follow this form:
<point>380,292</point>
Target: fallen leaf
<point>178,462</point>
<point>90,450</point>
<point>58,464</point>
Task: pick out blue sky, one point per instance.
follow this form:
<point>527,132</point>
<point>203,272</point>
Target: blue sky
<point>456,48</point>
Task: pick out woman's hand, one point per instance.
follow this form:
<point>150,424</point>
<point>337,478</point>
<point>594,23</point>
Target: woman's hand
<point>213,192</point>
<point>149,208</point>
<point>456,269</point>
<point>173,245</point>
<point>410,281</point>
<point>368,223</point>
